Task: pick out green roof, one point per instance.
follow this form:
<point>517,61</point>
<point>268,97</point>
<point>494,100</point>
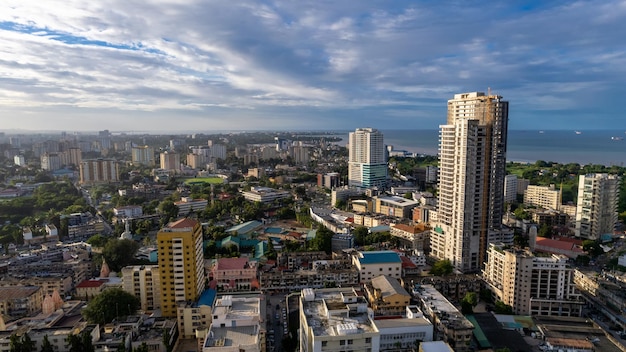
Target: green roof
<point>478,333</point>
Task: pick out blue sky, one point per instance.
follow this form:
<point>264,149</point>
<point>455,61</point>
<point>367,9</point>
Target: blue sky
<point>181,65</point>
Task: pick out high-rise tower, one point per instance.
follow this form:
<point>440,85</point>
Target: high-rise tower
<point>367,164</point>
<point>596,208</point>
<point>472,160</point>
<point>181,264</point>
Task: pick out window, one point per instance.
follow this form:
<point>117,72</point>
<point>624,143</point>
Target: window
<point>342,342</point>
<point>324,343</point>
<point>368,340</point>
<point>350,342</point>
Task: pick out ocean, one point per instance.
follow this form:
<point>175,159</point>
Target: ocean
<point>583,147</point>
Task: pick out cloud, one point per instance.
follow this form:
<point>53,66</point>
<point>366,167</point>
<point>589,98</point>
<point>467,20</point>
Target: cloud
<point>279,64</point>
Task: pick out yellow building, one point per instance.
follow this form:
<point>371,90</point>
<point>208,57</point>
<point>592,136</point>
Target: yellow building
<point>181,264</point>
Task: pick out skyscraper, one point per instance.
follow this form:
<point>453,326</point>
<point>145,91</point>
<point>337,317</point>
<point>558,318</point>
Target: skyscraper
<point>367,164</point>
<point>472,160</point>
<point>596,208</point>
<point>181,264</point>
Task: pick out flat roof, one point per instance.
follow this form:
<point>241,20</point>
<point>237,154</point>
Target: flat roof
<point>324,324</point>
<point>375,257</point>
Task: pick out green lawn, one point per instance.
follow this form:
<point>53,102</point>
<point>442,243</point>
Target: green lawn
<point>198,180</point>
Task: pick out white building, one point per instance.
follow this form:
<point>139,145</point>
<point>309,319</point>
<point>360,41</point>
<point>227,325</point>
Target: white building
<point>143,282</point>
<point>375,263</point>
<point>19,160</point>
<point>367,164</point>
<point>128,211</point>
<point>596,208</point>
<point>143,155</point>
<point>532,285</point>
<point>472,159</point>
<point>547,197</point>
<point>170,161</point>
<point>510,188</point>
<point>236,325</point>
<point>265,194</point>
<point>186,205</point>
<point>336,320</point>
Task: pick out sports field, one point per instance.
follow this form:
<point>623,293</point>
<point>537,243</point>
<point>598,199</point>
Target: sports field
<point>198,180</point>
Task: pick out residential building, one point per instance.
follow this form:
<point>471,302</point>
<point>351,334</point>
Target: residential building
<point>367,164</point>
<point>395,206</point>
<point>187,205</point>
<point>19,160</point>
<point>386,296</point>
<point>472,160</point>
<point>596,208</point>
<point>543,196</point>
<point>50,161</point>
<point>450,325</point>
<point>530,284</point>
<point>375,263</point>
<point>265,194</point>
<point>510,188</point>
<point>336,320</point>
<point>300,154</point>
<point>404,333</point>
<point>143,155</point>
<point>414,237</point>
<point>237,325</point>
<point>218,151</point>
<point>94,171</point>
<point>170,161</point>
<point>194,317</point>
<point>321,273</point>
<point>234,274</point>
<point>329,180</point>
<point>128,211</point>
<point>181,264</point>
<point>143,282</point>
<point>18,301</point>
<point>90,288</point>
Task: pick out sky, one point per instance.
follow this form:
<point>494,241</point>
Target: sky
<point>204,65</point>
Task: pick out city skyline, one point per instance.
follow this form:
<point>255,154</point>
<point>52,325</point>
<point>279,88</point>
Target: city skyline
<point>170,66</point>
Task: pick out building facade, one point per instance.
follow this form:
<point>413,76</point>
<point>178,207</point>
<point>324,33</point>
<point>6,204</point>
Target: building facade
<point>143,155</point>
<point>181,264</point>
<point>367,164</point>
<point>543,196</point>
<point>99,171</point>
<point>530,284</point>
<point>596,208</point>
<point>472,159</point>
<point>144,283</point>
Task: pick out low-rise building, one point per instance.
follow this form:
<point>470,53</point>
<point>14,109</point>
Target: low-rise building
<point>395,206</point>
<point>265,194</point>
<point>415,237</point>
<point>194,318</point>
<point>386,296</point>
<point>17,301</point>
<point>236,325</point>
<point>234,274</point>
<point>375,263</point>
<point>450,324</point>
<point>186,205</point>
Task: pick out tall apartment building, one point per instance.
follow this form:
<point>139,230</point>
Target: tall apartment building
<point>472,159</point>
<point>367,165</point>
<point>99,171</point>
<point>143,282</point>
<point>50,161</point>
<point>143,155</point>
<point>532,285</point>
<point>596,208</point>
<point>543,196</point>
<point>181,264</point>
<point>510,188</point>
<point>170,161</point>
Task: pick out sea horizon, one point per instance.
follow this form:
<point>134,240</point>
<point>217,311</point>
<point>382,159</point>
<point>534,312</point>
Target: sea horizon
<point>601,147</point>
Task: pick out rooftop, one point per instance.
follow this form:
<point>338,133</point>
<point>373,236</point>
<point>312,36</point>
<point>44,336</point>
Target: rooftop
<point>328,315</point>
<point>232,336</point>
<point>15,292</point>
<point>182,224</point>
<point>376,257</point>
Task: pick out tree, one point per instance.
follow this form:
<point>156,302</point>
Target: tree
<point>442,268</point>
<point>168,209</point>
<point>97,240</point>
<point>46,346</point>
<point>80,343</point>
<point>142,348</point>
<point>110,304</point>
<point>21,343</point>
<point>503,308</point>
<point>469,302</point>
<point>167,336</point>
<point>360,235</point>
<point>323,240</point>
<point>119,253</point>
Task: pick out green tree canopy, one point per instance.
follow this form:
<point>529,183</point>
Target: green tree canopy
<point>120,253</point>
<point>323,240</point>
<point>110,304</point>
<point>442,268</point>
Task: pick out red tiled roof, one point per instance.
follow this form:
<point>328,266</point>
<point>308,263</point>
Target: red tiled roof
<point>231,263</point>
<point>91,283</point>
<point>182,223</point>
<point>557,244</point>
<point>407,263</point>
